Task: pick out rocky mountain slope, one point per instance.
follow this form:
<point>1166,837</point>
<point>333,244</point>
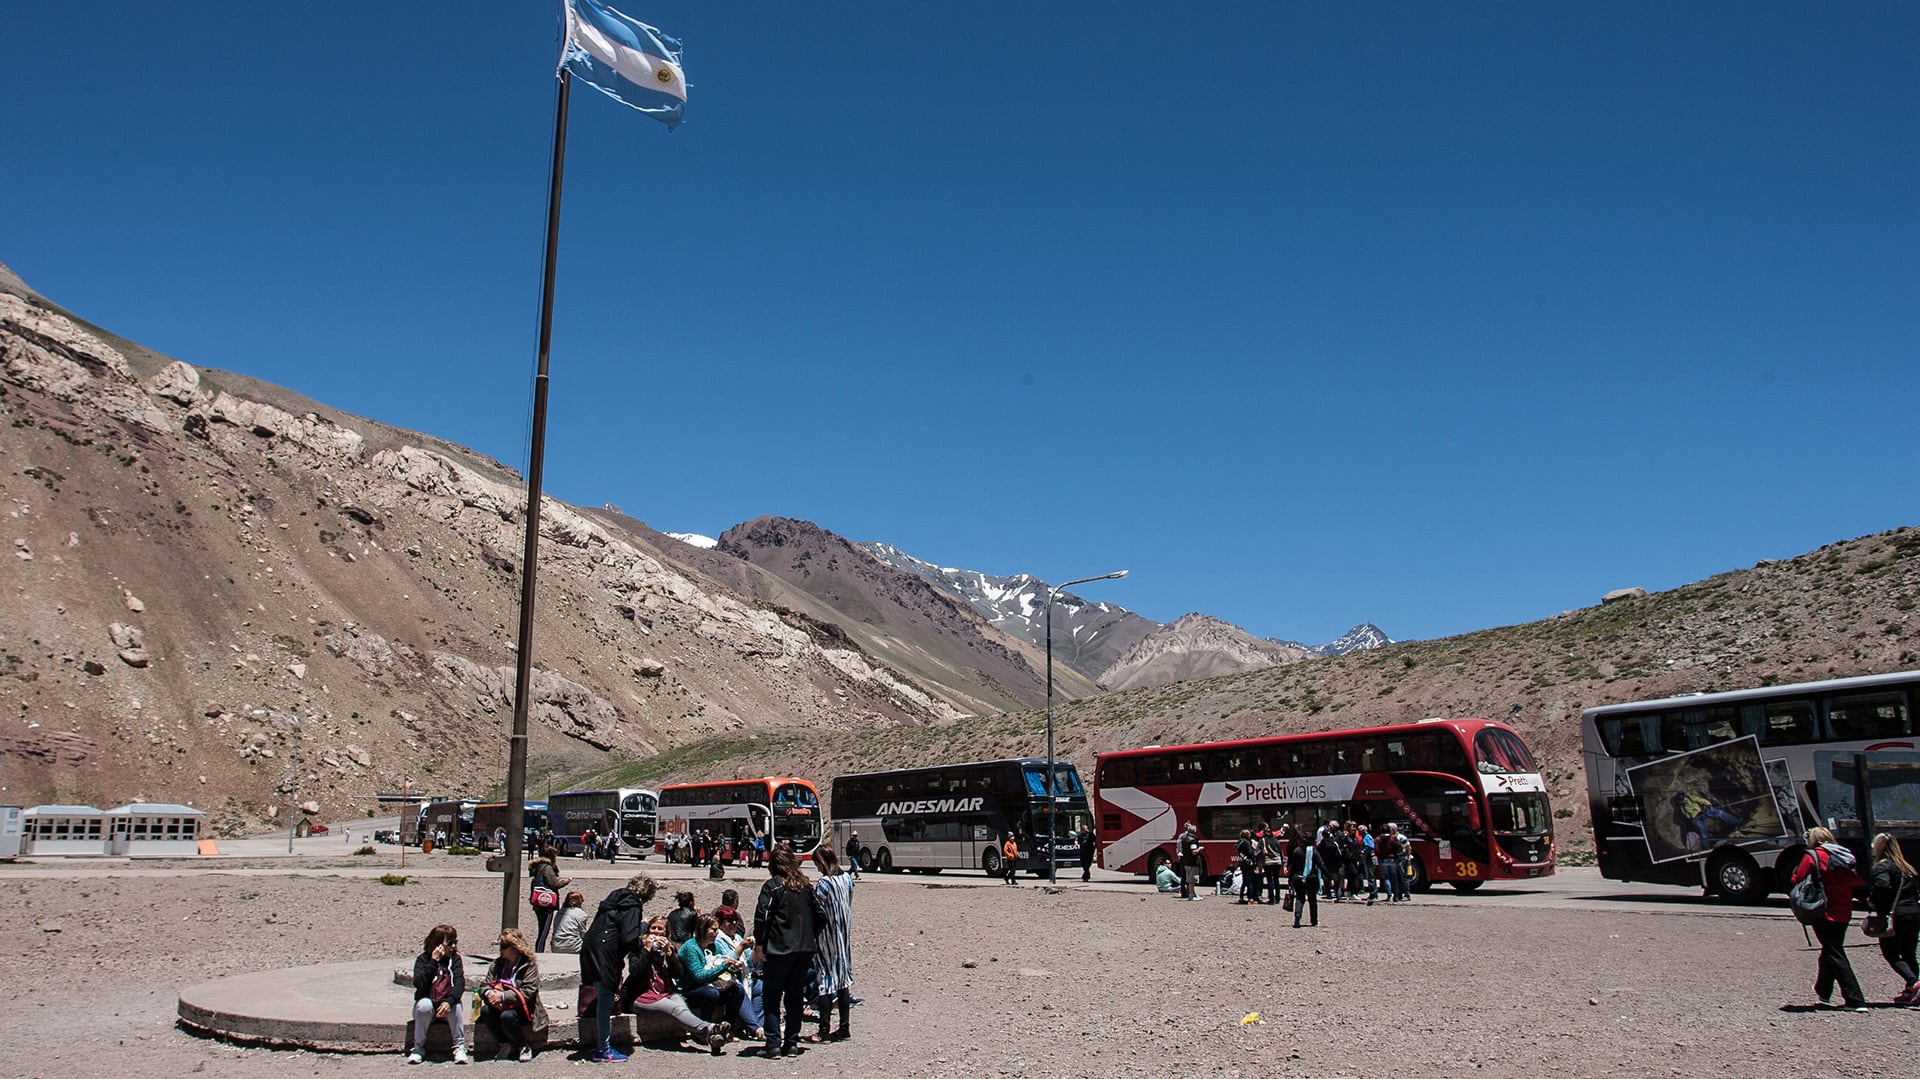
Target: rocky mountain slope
<point>1087,637</point>
<point>218,589</point>
<point>1195,646</point>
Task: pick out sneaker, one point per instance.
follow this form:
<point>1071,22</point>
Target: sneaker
<point>415,1057</point>
<point>526,1054</point>
<point>460,1055</point>
<point>717,1038</point>
<point>1859,1007</point>
<point>609,1055</point>
<point>1909,995</point>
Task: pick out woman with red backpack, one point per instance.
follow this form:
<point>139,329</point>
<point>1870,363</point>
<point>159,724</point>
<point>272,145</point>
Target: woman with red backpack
<point>1832,865</point>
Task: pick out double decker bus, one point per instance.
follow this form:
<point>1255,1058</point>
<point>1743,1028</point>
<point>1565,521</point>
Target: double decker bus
<point>953,816</point>
<point>775,807</point>
<point>1716,790</point>
<point>630,814</point>
<point>1465,792</point>
<point>447,822</point>
<point>490,817</point>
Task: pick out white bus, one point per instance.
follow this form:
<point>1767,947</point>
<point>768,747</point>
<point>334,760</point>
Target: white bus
<point>630,814</point>
<point>1715,790</point>
<point>955,816</point>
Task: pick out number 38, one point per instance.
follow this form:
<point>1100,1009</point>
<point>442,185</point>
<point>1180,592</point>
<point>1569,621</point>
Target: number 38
<point>1466,869</point>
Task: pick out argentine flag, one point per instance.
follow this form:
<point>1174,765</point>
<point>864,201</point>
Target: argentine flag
<point>626,60</point>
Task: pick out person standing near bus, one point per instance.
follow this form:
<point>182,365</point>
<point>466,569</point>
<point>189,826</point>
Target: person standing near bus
<point>1273,856</point>
<point>1247,851</point>
<point>1086,853</point>
<point>1305,881</point>
<point>1190,863</point>
<point>1834,865</point>
<point>1391,848</point>
<point>853,854</point>
<point>1896,896</point>
<point>1009,857</point>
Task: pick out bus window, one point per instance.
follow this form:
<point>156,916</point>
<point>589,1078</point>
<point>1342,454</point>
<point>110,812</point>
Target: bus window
<point>1308,759</point>
<point>1630,736</point>
<point>1875,715</point>
<point>1116,773</point>
<point>1789,723</point>
<point>1501,752</point>
<point>1371,755</point>
<point>1702,727</point>
<point>1190,768</point>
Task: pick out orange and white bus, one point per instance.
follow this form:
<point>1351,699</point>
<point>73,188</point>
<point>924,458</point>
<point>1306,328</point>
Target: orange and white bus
<point>774,807</point>
<point>1465,792</point>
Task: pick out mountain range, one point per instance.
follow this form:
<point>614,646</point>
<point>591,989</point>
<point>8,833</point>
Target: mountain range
<point>221,592</point>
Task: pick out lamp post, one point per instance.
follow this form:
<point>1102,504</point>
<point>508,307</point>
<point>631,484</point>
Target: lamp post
<point>1053,803</point>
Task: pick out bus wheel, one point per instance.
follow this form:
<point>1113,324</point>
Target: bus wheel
<point>1465,886</point>
<point>1733,877</point>
<point>990,862</point>
<point>1156,859</point>
<point>884,863</point>
<point>1417,876</point>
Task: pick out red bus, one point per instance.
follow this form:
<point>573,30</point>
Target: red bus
<point>774,808</point>
<point>1465,791</point>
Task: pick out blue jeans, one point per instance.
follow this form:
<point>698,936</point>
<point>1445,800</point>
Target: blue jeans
<point>784,988</point>
<point>1396,877</point>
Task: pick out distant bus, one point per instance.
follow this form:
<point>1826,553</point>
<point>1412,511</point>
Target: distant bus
<point>1716,790</point>
<point>448,822</point>
<point>630,814</point>
<point>1465,792</point>
<point>775,807</point>
<point>490,817</point>
<point>955,816</point>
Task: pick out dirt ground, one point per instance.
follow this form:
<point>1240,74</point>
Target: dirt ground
<point>965,978</point>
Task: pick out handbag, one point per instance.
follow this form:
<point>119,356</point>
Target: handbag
<point>1287,903</point>
<point>442,988</point>
<point>543,897</point>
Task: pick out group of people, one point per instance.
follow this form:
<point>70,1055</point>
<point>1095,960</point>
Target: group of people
<point>1335,862</point>
<point>715,979</point>
<point>1893,902</point>
<point>704,847</point>
<point>704,971</point>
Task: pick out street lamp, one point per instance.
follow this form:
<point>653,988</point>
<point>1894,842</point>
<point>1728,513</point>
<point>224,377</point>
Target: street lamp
<point>1053,803</point>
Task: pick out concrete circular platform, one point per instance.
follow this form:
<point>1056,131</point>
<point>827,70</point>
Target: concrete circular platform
<point>367,1007</point>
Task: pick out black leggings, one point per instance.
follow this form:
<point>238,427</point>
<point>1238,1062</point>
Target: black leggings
<point>1898,949</point>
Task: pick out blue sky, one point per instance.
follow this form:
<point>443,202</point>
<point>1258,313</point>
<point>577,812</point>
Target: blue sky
<point>1442,316</point>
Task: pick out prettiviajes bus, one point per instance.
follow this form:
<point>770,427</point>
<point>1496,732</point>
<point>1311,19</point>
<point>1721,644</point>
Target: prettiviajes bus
<point>773,808</point>
<point>1717,790</point>
<point>1465,792</point>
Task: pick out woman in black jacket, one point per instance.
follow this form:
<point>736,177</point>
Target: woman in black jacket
<point>786,921</point>
<point>440,992</point>
<point>1896,894</point>
<point>617,932</point>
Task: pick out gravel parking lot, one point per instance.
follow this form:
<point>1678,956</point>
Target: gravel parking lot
<point>965,977</point>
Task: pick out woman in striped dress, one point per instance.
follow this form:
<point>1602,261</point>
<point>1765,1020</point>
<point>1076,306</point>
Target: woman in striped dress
<point>833,962</point>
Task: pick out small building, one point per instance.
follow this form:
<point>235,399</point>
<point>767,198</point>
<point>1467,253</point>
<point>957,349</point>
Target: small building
<point>63,830</point>
<point>145,829</point>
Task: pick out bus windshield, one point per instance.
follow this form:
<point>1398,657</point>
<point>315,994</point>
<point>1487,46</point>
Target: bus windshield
<point>1520,814</point>
<point>1066,781</point>
<point>1501,752</point>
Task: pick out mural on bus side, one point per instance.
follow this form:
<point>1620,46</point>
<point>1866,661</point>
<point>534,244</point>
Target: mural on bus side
<point>1691,801</point>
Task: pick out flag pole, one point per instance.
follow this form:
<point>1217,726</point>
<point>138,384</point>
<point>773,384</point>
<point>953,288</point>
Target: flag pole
<point>530,556</point>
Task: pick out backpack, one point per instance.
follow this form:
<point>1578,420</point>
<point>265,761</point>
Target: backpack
<point>1808,899</point>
